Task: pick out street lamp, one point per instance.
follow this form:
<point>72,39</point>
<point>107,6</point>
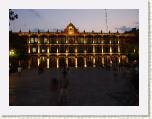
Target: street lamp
<point>12,52</point>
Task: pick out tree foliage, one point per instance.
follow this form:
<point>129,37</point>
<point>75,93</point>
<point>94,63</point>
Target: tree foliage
<point>12,15</point>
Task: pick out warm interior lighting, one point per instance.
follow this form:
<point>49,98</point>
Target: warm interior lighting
<point>103,61</point>
<point>119,60</point>
<point>93,49</point>
<point>38,49</point>
<point>29,50</point>
<point>57,62</point>
<point>110,50</point>
<point>66,61</point>
<point>76,62</point>
<point>48,64</point>
<point>38,61</point>
<point>47,49</point>
<point>94,61</point>
<point>12,52</point>
<point>85,62</point>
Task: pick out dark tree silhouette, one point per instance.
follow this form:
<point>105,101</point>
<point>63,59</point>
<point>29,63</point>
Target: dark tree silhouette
<point>12,15</point>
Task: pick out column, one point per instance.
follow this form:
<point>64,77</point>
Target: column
<point>38,45</point>
<point>85,62</point>
<point>119,60</point>
<point>94,61</point>
<point>102,61</point>
<point>84,39</point>
<point>48,62</point>
<point>57,62</point>
<point>38,61</point>
<point>29,51</point>
<point>110,48</point>
<point>76,62</point>
<point>48,50</point>
<point>118,46</point>
<point>76,57</point>
<point>66,60</point>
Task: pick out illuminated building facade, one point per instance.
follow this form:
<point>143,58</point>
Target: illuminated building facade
<point>72,48</point>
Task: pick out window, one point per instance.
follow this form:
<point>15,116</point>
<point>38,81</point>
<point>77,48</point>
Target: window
<point>43,50</point>
<point>45,40</point>
<point>32,40</point>
<point>36,40</point>
<point>34,50</point>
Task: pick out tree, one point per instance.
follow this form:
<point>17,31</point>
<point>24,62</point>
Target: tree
<point>12,15</point>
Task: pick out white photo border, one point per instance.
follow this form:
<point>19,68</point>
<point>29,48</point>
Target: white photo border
<point>142,109</point>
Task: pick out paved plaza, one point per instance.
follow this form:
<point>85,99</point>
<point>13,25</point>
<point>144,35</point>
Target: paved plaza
<point>87,87</point>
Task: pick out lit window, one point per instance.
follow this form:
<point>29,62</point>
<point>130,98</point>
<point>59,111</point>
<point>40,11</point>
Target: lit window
<point>45,40</point>
<point>32,40</point>
<point>36,40</point>
<point>43,50</point>
<point>34,50</point>
<point>71,30</point>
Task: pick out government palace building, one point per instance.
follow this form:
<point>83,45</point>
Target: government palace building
<point>72,48</point>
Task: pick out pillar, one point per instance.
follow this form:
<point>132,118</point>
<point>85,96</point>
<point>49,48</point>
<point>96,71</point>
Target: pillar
<point>66,60</point>
<point>119,60</point>
<point>102,61</point>
<point>85,62</point>
<point>94,61</point>
<point>38,49</point>
<point>102,49</point>
<point>48,50</point>
<point>57,62</point>
<point>38,61</point>
<point>110,48</point>
<point>29,51</point>
<point>76,62</point>
<point>48,62</point>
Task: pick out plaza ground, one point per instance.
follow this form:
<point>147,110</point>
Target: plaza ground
<point>87,87</point>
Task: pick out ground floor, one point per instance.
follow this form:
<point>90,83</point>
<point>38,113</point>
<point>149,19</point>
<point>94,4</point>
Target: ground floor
<point>58,61</point>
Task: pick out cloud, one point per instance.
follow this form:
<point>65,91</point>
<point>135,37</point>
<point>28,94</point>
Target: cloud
<point>123,28</point>
<point>35,13</point>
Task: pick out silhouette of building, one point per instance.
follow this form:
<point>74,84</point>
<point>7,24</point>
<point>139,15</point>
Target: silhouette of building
<point>72,48</point>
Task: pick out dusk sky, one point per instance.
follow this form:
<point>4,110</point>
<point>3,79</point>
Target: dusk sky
<point>84,19</point>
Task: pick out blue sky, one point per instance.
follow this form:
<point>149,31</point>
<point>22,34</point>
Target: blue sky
<point>83,19</point>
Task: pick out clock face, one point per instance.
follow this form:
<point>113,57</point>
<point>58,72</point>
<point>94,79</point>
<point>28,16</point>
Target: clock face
<point>70,30</point>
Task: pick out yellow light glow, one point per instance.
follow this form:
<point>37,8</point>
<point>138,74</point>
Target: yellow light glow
<point>118,49</point>
<point>12,52</point>
<point>76,50</point>
<point>29,50</point>
<point>119,60</point>
<point>85,62</point>
<point>48,64</point>
<point>93,49</point>
<point>38,49</point>
<point>76,62</point>
<point>48,50</point>
<point>57,62</point>
<point>102,49</point>
<point>110,50</point>
<point>102,60</point>
<point>94,61</point>
<point>66,61</point>
<point>38,62</point>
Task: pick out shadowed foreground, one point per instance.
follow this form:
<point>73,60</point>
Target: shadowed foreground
<point>87,87</point>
